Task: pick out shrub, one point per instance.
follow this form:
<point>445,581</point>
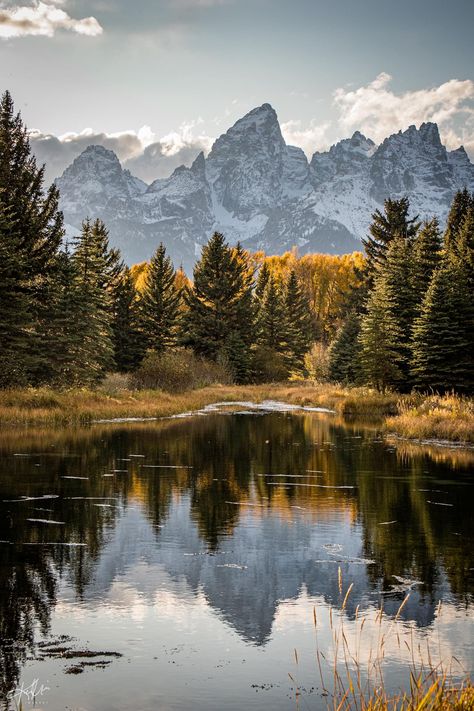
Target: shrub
<point>269,365</point>
<point>114,383</point>
<point>316,362</point>
<point>178,370</point>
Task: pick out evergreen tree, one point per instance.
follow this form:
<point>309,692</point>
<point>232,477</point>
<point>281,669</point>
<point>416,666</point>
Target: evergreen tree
<point>394,222</point>
<point>160,302</point>
<point>14,314</point>
<point>272,321</point>
<point>219,319</point>
<point>262,280</point>
<point>32,230</point>
<point>96,271</point>
<point>343,352</point>
<point>65,322</point>
<point>463,201</point>
<point>426,259</point>
<point>396,274</point>
<point>465,246</point>
<point>379,340</point>
<point>127,338</point>
<point>298,324</point>
<point>443,344</point>
<point>241,340</point>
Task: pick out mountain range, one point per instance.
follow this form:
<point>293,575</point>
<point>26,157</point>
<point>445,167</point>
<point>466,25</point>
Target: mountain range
<point>255,188</point>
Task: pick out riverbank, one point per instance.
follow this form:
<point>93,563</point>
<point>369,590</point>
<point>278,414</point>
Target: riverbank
<point>415,416</point>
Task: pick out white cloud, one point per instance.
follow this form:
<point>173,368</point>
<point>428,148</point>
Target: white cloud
<point>314,137</point>
<point>140,151</point>
<point>43,19</point>
<point>161,157</point>
<point>377,111</point>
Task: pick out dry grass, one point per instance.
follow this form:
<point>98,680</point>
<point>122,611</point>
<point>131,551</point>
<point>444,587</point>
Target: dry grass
<point>448,417</point>
<point>81,406</point>
<point>414,416</point>
<point>352,676</point>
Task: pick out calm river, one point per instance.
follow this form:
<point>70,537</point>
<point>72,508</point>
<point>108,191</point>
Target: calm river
<point>178,564</point>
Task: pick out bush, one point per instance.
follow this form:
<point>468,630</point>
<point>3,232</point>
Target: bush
<point>316,362</point>
<point>114,383</point>
<point>176,371</point>
<point>269,366</point>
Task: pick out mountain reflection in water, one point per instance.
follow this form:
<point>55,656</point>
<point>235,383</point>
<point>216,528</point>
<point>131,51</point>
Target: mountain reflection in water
<point>244,517</point>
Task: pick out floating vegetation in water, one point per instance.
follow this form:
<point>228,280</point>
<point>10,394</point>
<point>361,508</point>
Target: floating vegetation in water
<point>234,566</point>
<point>166,466</point>
<point>333,547</point>
<point>438,503</point>
<point>315,486</point>
<point>404,585</point>
<point>30,498</point>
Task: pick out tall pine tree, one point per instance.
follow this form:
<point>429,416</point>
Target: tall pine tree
<point>393,222</point>
<point>462,202</point>
<point>426,259</point>
<point>379,340</point>
<point>31,233</point>
<point>96,270</point>
<point>344,351</point>
<point>219,319</point>
<point>160,303</point>
<point>298,324</point>
<point>443,343</point>
<point>127,337</point>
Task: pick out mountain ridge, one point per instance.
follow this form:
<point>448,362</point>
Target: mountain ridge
<point>256,189</point>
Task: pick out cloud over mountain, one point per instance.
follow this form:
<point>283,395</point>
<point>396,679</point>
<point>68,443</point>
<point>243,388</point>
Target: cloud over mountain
<point>43,19</point>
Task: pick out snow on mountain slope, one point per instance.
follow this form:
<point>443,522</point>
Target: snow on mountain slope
<point>256,189</point>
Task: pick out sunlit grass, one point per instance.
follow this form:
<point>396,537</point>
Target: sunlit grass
<point>351,673</point>
<point>48,406</point>
<point>415,416</point>
<point>447,417</point>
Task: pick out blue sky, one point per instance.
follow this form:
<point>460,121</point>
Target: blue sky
<point>187,69</point>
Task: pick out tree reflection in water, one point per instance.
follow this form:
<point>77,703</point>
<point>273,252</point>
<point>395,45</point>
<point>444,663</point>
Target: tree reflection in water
<point>271,489</point>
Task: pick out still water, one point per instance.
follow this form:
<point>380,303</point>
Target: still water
<point>179,564</point>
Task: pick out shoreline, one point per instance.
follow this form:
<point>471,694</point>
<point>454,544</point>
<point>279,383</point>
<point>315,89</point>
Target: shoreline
<point>444,421</point>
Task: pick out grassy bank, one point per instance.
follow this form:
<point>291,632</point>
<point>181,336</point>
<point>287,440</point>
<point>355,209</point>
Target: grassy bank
<point>415,416</point>
<point>449,418</point>
<point>81,406</point>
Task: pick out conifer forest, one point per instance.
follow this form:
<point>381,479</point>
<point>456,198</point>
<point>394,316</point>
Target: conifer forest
<point>399,318</point>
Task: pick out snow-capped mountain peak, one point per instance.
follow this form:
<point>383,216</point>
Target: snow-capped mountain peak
<point>256,189</point>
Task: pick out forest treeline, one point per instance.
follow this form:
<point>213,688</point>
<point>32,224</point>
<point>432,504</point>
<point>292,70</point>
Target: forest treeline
<point>398,318</point>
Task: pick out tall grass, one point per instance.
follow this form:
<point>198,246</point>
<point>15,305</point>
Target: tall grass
<point>113,400</point>
<point>352,673</point>
<point>447,417</point>
<point>415,416</point>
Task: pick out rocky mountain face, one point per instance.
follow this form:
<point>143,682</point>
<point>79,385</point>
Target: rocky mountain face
<point>256,189</point>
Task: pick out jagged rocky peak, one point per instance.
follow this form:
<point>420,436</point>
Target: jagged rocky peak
<point>95,160</point>
<point>360,144</point>
<point>199,165</point>
<point>98,171</point>
<point>415,143</point>
<point>258,130</point>
<point>345,158</point>
<point>245,165</point>
<point>429,132</point>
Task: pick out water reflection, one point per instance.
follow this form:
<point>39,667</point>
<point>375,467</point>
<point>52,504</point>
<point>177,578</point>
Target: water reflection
<point>241,513</point>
